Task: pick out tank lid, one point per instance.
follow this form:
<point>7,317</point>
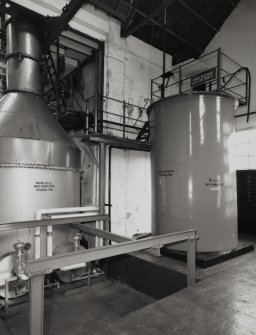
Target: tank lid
<point>192,95</point>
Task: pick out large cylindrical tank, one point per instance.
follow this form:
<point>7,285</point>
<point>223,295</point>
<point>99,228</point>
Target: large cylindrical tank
<point>194,183</point>
<point>39,162</point>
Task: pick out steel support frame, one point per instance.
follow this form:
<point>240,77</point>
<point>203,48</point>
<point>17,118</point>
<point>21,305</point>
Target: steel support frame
<point>199,17</point>
<point>37,268</point>
<point>52,222</point>
<point>67,14</point>
<point>126,24</point>
<point>131,30</point>
<point>117,141</point>
<point>110,11</point>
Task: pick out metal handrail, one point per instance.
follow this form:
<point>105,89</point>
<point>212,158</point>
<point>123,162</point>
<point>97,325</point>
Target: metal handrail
<point>214,84</point>
<point>35,269</point>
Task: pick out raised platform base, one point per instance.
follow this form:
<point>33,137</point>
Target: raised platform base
<point>206,259</point>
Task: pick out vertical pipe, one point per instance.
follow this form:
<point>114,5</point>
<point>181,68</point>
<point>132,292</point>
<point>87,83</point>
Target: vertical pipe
<point>124,109</point>
<point>37,239</point>
<point>191,261</point>
<point>218,68</point>
<point>102,182</point>
<point>36,305</point>
<point>102,178</point>
<point>58,78</point>
<point>49,241</point>
<point>100,86</point>
<point>86,119</point>
<point>109,185</point>
<point>98,91</point>
<point>164,51</point>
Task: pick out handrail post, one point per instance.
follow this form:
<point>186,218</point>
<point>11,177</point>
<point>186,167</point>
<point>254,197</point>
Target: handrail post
<point>180,80</point>
<point>96,113</point>
<point>191,261</point>
<point>124,116</point>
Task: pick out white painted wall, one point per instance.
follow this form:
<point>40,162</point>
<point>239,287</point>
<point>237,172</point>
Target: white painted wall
<point>131,210</point>
<point>237,39</point>
<point>129,65</point>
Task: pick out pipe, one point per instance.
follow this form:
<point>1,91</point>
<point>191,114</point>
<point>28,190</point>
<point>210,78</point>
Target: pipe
<point>102,191</point>
<point>49,241</point>
<point>37,238</point>
<point>73,266</point>
<point>72,215</point>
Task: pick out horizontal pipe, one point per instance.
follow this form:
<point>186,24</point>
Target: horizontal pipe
<point>72,215</point>
<point>41,212</point>
<point>73,266</point>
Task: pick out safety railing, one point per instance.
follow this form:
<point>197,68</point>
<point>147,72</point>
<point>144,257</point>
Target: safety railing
<point>214,71</point>
<point>115,117</point>
<point>36,269</point>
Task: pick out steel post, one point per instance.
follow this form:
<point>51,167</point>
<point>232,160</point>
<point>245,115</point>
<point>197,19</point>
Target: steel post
<point>180,80</point>
<point>164,51</point>
<point>124,116</point>
<point>218,68</point>
<point>96,113</point>
<point>36,305</point>
<point>191,261</point>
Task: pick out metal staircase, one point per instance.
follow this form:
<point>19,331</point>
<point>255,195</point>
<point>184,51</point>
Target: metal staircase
<point>56,100</point>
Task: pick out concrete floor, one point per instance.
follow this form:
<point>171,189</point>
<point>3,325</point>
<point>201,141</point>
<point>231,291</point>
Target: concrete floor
<point>83,310</point>
<point>223,303</point>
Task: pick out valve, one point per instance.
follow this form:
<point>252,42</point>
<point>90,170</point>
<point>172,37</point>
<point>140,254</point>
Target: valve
<point>19,267</point>
<point>76,240</point>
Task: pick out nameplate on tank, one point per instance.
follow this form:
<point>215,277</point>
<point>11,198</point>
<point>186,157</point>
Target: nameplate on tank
<point>44,186</point>
<point>203,77</point>
<point>214,183</point>
<point>166,173</point>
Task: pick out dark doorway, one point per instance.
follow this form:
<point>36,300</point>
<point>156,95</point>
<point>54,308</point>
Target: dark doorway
<point>246,201</point>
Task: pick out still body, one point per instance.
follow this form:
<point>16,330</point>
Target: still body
<point>24,190</point>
